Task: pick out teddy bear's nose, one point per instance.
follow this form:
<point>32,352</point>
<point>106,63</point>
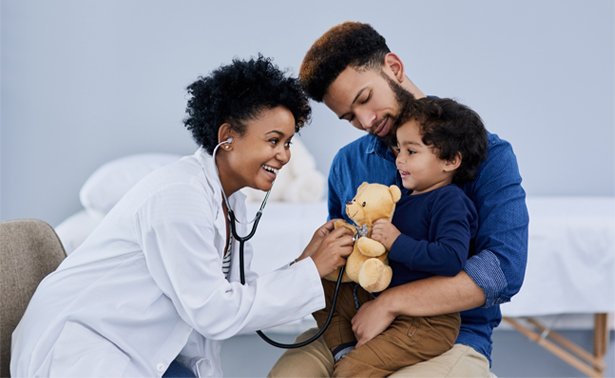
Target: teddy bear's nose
<point>349,203</point>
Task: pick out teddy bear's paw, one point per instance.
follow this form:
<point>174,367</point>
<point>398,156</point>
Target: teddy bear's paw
<point>370,247</point>
<point>342,223</point>
<point>374,276</point>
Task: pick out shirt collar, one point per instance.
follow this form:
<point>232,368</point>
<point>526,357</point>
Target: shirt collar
<point>380,148</point>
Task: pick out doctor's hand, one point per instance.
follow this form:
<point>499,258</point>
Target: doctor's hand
<point>333,250</point>
<point>317,239</point>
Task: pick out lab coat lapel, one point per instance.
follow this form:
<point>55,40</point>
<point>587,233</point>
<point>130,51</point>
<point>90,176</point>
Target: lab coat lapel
<point>207,162</point>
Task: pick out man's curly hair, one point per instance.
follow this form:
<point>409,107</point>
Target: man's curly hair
<point>239,92</point>
<point>450,128</point>
<point>349,44</point>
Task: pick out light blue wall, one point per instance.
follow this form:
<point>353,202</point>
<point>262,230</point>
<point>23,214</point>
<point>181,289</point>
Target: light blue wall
<point>84,82</point>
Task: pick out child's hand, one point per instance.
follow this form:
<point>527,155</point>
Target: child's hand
<point>384,232</point>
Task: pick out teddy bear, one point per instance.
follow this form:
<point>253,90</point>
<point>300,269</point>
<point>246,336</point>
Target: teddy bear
<point>367,265</point>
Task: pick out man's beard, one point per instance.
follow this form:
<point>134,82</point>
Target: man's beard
<point>402,96</point>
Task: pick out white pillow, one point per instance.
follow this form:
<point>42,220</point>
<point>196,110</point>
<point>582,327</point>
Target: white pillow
<point>76,228</point>
<point>104,188</point>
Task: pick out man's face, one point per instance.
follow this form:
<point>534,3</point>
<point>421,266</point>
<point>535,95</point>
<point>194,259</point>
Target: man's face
<point>367,98</point>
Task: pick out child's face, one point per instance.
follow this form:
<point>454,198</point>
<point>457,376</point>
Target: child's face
<point>420,168</point>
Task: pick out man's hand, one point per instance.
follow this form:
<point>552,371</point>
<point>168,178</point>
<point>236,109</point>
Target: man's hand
<point>384,232</point>
<point>370,321</point>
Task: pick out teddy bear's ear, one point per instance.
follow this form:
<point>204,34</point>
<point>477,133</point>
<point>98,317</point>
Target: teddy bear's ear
<point>395,192</point>
<point>362,186</point>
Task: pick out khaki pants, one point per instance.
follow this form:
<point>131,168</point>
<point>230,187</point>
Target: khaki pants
<point>315,360</point>
<point>407,341</point>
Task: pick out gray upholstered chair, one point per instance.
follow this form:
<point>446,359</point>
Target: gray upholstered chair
<point>29,251</point>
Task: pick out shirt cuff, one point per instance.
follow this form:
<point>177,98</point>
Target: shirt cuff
<point>484,268</point>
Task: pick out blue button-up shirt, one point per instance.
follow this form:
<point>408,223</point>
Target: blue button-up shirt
<point>497,263</point>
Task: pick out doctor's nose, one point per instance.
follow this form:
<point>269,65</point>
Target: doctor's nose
<point>283,156</point>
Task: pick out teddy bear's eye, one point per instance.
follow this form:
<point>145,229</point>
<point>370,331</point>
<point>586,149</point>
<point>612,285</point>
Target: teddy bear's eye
<point>363,204</point>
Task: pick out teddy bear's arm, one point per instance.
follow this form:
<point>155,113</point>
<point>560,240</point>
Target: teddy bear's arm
<point>370,247</point>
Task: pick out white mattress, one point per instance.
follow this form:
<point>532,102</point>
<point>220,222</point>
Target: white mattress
<point>571,258</point>
<point>284,230</point>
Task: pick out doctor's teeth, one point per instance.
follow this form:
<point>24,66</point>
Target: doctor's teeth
<point>270,169</point>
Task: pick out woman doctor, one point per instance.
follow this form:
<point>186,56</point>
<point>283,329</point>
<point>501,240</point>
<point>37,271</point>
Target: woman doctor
<point>156,284</point>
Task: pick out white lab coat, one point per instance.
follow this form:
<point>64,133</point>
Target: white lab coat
<point>147,285</point>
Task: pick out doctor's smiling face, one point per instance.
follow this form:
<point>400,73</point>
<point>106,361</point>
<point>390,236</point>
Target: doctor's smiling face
<point>254,157</point>
<point>256,104</point>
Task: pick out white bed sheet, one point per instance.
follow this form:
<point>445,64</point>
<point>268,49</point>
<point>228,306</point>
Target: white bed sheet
<point>571,258</point>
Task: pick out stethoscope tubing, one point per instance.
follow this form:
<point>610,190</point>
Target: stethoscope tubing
<point>242,277</point>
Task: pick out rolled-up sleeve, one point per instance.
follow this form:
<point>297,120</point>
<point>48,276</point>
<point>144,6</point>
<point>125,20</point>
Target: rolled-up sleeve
<point>502,239</point>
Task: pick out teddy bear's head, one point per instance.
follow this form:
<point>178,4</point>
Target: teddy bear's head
<point>373,202</point>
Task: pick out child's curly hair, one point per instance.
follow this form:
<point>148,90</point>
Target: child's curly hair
<point>238,92</point>
<point>450,128</point>
<point>349,44</point>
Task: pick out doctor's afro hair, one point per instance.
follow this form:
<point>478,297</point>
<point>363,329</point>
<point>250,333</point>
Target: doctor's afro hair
<point>239,92</point>
<point>351,44</point>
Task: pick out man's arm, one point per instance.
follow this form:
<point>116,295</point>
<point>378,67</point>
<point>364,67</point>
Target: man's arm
<point>502,237</point>
<point>435,295</point>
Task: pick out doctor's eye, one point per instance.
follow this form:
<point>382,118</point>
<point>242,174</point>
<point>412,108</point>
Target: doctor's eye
<point>287,144</point>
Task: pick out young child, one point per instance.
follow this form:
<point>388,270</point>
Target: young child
<point>440,143</point>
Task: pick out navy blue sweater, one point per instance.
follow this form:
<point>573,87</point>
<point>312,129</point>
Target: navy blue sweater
<point>436,229</point>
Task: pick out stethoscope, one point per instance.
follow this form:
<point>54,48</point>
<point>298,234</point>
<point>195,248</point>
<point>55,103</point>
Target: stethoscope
<point>242,240</point>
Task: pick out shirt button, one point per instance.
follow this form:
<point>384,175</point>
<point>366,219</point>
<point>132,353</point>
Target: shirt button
<point>160,367</point>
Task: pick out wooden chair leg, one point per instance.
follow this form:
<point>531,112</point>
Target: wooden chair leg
<point>600,335</point>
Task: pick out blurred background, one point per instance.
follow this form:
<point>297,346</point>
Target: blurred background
<point>85,82</point>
